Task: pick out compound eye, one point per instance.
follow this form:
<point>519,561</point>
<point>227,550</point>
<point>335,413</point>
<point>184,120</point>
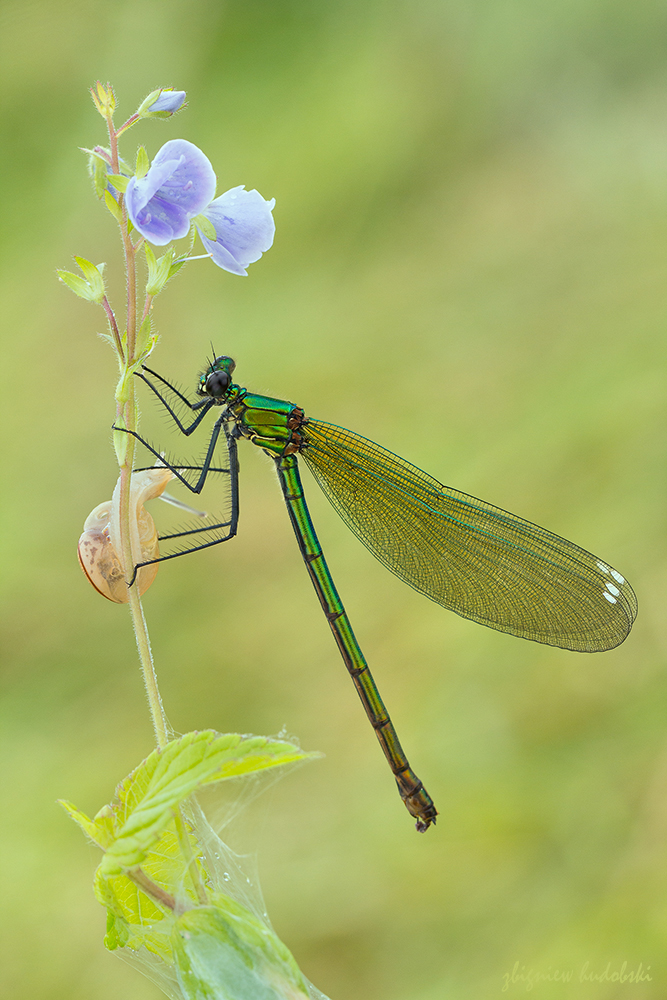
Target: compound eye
<point>217,384</point>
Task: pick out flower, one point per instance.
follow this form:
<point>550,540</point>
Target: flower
<point>179,184</point>
<point>177,190</point>
<point>244,228</point>
<point>167,101</point>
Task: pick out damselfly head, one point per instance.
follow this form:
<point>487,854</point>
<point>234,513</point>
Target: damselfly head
<point>217,378</point>
<point>99,550</point>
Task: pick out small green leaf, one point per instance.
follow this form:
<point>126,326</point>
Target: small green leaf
<point>206,226</point>
<point>118,182</point>
<point>76,284</point>
<point>90,287</point>
<point>143,336</point>
<point>143,163</point>
<point>158,270</point>
<point>161,270</point>
<point>93,276</point>
<point>113,207</point>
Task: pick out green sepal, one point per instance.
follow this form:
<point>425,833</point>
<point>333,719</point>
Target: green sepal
<point>119,182</point>
<point>103,98</point>
<point>177,265</point>
<point>143,163</point>
<point>206,226</point>
<point>143,111</point>
<point>91,286</point>
<point>161,269</point>
<point>146,103</point>
<point>113,206</point>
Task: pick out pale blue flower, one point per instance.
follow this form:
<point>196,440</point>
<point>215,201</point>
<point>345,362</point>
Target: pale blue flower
<point>244,228</point>
<point>178,185</point>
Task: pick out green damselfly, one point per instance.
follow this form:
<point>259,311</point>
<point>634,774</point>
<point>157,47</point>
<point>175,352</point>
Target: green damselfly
<point>467,555</point>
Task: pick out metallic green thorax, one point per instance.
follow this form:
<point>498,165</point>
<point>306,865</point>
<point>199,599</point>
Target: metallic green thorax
<point>281,429</point>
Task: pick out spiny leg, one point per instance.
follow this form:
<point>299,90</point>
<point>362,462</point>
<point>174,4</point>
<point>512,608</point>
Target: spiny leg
<point>203,469</point>
<point>231,525</point>
<point>204,405</point>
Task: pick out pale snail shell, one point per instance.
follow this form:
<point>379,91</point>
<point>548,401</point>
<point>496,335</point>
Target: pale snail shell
<point>99,546</point>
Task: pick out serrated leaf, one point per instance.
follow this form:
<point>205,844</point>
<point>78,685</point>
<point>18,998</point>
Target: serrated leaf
<point>149,796</point>
<point>141,919</point>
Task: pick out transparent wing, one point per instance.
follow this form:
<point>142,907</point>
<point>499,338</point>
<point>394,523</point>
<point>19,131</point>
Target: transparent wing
<point>473,558</point>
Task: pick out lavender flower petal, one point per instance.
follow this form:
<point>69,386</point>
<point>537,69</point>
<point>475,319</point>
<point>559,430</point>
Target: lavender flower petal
<point>244,228</point>
<point>178,185</point>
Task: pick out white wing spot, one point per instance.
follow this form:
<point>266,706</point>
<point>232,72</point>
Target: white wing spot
<point>612,589</point>
<point>612,600</point>
<point>601,565</point>
<point>617,576</point>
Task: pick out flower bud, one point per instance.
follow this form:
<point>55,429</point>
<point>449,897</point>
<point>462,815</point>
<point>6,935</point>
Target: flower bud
<point>162,103</point>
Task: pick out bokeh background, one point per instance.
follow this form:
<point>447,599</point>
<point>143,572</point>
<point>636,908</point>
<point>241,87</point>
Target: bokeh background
<point>470,267</point>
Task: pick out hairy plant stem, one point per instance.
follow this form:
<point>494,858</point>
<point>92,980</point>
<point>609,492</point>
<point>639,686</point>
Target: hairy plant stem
<point>126,415</point>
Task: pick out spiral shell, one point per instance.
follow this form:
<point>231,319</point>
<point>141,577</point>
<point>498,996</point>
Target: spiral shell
<point>99,547</point>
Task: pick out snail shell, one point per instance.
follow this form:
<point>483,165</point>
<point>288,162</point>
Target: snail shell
<point>99,546</point>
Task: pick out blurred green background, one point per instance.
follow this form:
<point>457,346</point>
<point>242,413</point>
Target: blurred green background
<point>470,267</point>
